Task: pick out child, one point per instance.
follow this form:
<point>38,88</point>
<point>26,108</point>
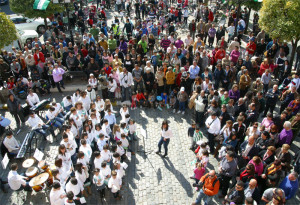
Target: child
<point>106,154</point>
<point>164,97</point>
<point>98,160</point>
<point>101,142</point>
<point>117,132</point>
<point>132,129</point>
<point>121,150</point>
<point>115,184</point>
<point>203,157</point>
<point>198,173</point>
<point>173,102</point>
<point>133,101</point>
<point>151,99</point>
<point>125,144</point>
<point>69,200</point>
<point>98,180</point>
<point>91,92</point>
<point>140,98</point>
<point>116,158</point>
<point>191,132</point>
<point>119,169</point>
<point>93,82</point>
<point>105,171</point>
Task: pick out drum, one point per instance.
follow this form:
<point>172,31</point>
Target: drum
<point>38,183</point>
<point>28,163</point>
<point>31,172</point>
<point>43,165</point>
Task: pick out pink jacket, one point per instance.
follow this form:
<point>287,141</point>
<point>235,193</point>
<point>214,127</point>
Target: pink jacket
<point>258,168</point>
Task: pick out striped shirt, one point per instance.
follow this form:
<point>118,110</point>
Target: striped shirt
<point>197,136</point>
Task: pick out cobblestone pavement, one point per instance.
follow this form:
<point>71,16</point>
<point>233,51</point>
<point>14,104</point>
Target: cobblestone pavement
<point>149,178</point>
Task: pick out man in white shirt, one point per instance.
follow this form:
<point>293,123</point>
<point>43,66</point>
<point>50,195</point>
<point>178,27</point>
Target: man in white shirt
<point>68,103</point>
<point>213,126</point>
<point>200,104</point>
<point>59,111</point>
<point>57,194</point>
<point>74,186</point>
<point>39,126</point>
<point>52,117</point>
<point>126,81</point>
<point>32,98</point>
<point>230,31</point>
<point>11,144</point>
<point>17,182</point>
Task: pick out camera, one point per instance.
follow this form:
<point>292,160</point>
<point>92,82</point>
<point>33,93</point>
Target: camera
<point>200,185</point>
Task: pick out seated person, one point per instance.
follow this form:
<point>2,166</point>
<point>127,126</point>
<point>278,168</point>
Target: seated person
<point>32,98</point>
<point>52,117</point>
<point>68,103</point>
<point>17,182</point>
<point>11,144</point>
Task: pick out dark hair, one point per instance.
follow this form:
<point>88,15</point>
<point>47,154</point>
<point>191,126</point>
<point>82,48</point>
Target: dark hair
<point>14,166</point>
<point>240,183</point>
<point>56,185</point>
<point>78,167</point>
<point>249,200</point>
<point>230,154</point>
<point>70,195</point>
<point>165,122</point>
<point>74,181</point>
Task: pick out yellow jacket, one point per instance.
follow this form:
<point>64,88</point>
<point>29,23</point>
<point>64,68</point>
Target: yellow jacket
<point>170,77</point>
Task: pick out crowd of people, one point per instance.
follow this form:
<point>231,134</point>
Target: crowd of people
<point>146,61</point>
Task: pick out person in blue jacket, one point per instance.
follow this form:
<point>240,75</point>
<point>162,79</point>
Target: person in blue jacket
<point>290,185</point>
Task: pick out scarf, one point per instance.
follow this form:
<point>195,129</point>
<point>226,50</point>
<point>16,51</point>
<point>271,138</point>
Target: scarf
<point>272,169</point>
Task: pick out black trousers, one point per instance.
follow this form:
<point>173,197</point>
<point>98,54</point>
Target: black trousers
<point>269,107</point>
<point>200,118</point>
<point>211,142</point>
<point>224,183</point>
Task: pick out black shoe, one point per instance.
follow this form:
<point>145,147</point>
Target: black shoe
<point>165,155</point>
<point>63,87</point>
<point>60,91</point>
<point>158,152</point>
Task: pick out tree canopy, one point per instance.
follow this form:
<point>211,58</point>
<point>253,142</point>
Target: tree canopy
<point>25,7</point>
<point>280,19</point>
<point>8,32</point>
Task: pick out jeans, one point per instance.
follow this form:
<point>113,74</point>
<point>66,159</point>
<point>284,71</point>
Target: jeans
<point>68,108</point>
<point>266,87</point>
<point>203,196</point>
<point>43,130</point>
<point>57,122</point>
<point>126,93</point>
<point>182,106</point>
<point>166,143</point>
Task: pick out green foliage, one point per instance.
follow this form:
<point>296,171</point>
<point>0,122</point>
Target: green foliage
<point>280,18</point>
<point>8,32</point>
<point>253,5</point>
<point>25,7</point>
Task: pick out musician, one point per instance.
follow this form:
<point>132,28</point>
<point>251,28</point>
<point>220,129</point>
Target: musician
<point>58,110</point>
<point>57,194</point>
<point>11,144</point>
<point>70,145</point>
<point>38,125</point>
<point>17,182</point>
<point>52,117</point>
<point>32,98</point>
<point>76,187</point>
<point>68,103</point>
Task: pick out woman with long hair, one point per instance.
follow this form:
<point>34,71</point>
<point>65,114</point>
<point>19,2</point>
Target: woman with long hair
<point>166,134</point>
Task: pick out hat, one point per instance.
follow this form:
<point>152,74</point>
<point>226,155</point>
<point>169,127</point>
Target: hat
<point>184,74</point>
<point>91,74</point>
<point>181,89</point>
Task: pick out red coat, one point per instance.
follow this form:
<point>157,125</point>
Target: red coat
<point>108,70</point>
<point>41,57</point>
<point>262,69</point>
<point>220,54</point>
<point>211,16</point>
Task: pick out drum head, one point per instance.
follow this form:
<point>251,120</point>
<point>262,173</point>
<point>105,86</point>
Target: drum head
<point>38,180</point>
<point>28,163</point>
<point>31,171</point>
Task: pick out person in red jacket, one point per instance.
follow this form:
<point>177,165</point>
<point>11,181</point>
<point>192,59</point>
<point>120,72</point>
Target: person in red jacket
<point>38,55</point>
<point>210,15</point>
<point>107,69</point>
<point>140,98</point>
<point>251,47</point>
<point>220,54</point>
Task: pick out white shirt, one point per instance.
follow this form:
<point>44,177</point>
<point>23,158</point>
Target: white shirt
<point>91,94</point>
<point>106,155</point>
<point>106,171</point>
<point>120,150</point>
<point>81,177</point>
<point>132,128</point>
<point>70,146</point>
<point>50,115</point>
<point>126,80</point>
<point>11,143</point>
<point>98,180</point>
<point>167,134</point>
<point>87,150</point>
<point>199,105</point>
<point>76,189</point>
<point>15,180</point>
<point>125,143</point>
<point>58,108</point>
<point>85,102</point>
<point>33,99</point>
<point>214,125</point>
<point>67,103</point>
<point>55,197</point>
<point>98,162</point>
<point>100,104</point>
<point>77,119</point>
<point>35,121</point>
<point>123,113</point>
<point>115,184</point>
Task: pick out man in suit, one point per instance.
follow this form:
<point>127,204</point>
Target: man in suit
<point>248,151</point>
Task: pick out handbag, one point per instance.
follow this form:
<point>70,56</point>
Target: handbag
<point>219,138</point>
